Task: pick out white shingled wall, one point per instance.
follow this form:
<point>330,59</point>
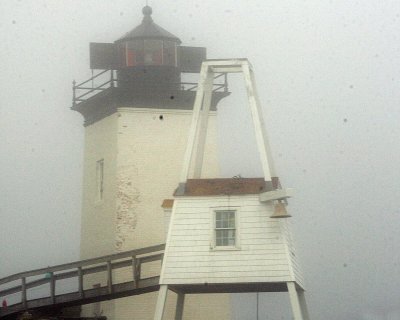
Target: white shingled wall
<point>261,254</point>
<point>297,271</point>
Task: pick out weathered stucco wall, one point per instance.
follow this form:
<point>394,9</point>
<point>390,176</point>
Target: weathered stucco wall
<point>98,216</point>
<point>143,151</point>
<point>151,145</point>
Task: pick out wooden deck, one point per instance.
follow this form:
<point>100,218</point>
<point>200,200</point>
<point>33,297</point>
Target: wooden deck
<point>51,276</point>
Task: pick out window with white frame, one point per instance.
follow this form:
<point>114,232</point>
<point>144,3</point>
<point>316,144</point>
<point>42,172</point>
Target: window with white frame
<point>225,228</point>
<point>100,179</point>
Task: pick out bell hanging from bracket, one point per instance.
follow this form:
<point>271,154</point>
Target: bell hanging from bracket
<point>280,211</point>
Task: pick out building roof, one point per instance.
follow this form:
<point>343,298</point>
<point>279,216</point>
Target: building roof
<point>149,30</point>
<point>229,186</point>
<point>167,203</point>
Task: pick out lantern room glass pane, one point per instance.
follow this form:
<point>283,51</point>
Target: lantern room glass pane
<point>133,53</point>
<point>153,52</point>
<point>169,53</point>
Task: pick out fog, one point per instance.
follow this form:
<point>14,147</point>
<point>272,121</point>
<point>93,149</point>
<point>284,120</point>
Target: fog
<point>328,78</point>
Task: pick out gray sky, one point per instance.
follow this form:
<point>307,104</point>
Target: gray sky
<point>328,73</point>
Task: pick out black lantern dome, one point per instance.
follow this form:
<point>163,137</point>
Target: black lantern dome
<point>151,52</point>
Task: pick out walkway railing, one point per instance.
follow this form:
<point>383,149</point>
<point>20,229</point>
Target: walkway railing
<point>133,259</point>
<point>106,78</point>
<point>86,89</point>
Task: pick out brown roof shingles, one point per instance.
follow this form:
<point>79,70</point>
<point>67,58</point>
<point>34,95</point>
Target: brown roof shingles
<point>229,186</point>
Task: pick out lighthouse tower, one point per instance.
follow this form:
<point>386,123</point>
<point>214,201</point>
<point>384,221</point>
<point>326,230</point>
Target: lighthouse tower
<point>137,114</point>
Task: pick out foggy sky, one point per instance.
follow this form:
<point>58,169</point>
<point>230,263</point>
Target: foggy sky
<point>328,77</point>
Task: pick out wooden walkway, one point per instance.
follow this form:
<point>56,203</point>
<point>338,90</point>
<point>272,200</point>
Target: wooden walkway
<point>130,262</point>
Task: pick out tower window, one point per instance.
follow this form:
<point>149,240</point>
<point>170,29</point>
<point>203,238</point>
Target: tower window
<point>225,228</point>
<point>100,179</point>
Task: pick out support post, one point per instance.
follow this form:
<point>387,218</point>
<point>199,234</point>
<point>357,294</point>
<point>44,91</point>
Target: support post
<point>294,300</point>
<point>258,123</point>
<point>112,79</point>
<point>109,277</point>
<point>80,281</point>
<point>136,271</point>
<point>202,128</point>
<point>52,288</point>
<point>23,292</point>
<point>180,302</point>
<point>162,298</point>
<point>198,102</point>
<point>303,305</point>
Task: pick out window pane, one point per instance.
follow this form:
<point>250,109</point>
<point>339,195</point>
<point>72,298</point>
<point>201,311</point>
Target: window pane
<point>134,53</point>
<point>231,220</point>
<point>152,52</point>
<point>169,53</point>
<point>225,232</point>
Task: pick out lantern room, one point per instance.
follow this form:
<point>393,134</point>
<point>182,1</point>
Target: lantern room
<point>142,69</point>
<point>148,55</point>
<point>148,45</point>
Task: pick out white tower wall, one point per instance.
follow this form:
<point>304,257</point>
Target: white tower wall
<point>143,151</point>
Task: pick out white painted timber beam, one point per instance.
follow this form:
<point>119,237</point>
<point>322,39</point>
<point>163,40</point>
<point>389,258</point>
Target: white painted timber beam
<point>162,298</point>
<point>226,69</point>
<point>203,126</point>
<point>226,62</point>
<point>193,132</point>
<point>258,124</point>
<point>198,130</point>
<point>278,194</point>
<point>294,300</point>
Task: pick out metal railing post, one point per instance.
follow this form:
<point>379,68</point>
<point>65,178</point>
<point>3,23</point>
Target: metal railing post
<point>73,92</point>
<point>23,292</point>
<point>52,288</point>
<point>112,79</point>
<point>80,281</point>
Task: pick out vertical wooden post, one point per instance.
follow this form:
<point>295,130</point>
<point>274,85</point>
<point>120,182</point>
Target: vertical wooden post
<point>112,79</point>
<point>294,300</point>
<point>138,269</point>
<point>23,292</point>
<point>258,123</point>
<point>80,281</point>
<point>109,277</point>
<point>263,128</point>
<point>198,102</point>
<point>202,128</point>
<point>52,288</point>
<point>303,305</point>
<point>135,272</point>
<point>162,298</point>
<point>179,306</point>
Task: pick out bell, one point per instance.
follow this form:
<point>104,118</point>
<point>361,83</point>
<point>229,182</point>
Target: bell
<point>280,211</point>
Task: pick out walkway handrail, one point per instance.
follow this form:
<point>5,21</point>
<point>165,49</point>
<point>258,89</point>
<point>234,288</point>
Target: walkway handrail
<point>82,263</point>
<point>86,91</point>
<point>133,259</point>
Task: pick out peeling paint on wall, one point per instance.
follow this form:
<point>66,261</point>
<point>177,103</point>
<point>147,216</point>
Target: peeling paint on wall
<point>128,198</point>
